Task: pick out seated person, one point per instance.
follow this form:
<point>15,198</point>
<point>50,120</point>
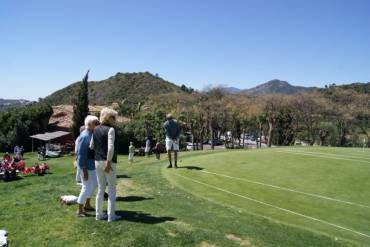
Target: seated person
<point>8,158</point>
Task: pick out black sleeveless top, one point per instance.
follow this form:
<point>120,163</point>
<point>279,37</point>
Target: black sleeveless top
<point>100,137</point>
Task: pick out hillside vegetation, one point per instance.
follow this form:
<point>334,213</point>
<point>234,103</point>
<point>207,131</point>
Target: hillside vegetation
<point>134,87</point>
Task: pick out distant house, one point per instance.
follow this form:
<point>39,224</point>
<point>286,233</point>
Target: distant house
<point>61,120</point>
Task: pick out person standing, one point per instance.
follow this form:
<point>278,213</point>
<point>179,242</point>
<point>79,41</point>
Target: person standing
<point>158,149</point>
<point>131,153</point>
<point>172,130</point>
<point>22,151</point>
<point>86,165</point>
<point>103,143</point>
<point>16,150</point>
<point>147,146</point>
<point>78,174</point>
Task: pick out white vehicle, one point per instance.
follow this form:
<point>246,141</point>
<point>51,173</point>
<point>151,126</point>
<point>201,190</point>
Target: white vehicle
<point>189,146</point>
<point>3,238</point>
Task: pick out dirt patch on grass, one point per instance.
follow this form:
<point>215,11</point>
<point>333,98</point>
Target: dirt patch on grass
<point>126,185</point>
<point>171,234</point>
<point>206,244</point>
<point>181,225</point>
<point>240,241</point>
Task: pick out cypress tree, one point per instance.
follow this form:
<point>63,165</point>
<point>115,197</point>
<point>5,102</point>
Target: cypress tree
<point>81,106</point>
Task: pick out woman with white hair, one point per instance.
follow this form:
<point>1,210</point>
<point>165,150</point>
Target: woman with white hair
<point>85,163</point>
<point>104,145</point>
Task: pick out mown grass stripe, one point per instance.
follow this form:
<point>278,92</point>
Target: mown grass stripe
<point>323,156</point>
<point>274,206</point>
<point>329,154</point>
<point>288,189</point>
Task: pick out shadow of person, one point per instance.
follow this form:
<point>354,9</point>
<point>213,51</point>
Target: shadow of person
<point>123,176</point>
<point>11,180</point>
<point>132,198</point>
<point>141,217</point>
<point>191,167</point>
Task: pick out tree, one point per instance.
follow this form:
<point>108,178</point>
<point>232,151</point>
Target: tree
<point>129,108</point>
<point>361,114</point>
<point>18,124</point>
<point>81,106</point>
<point>273,104</point>
<point>215,113</point>
<point>308,111</point>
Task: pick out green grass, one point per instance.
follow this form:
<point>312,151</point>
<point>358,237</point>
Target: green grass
<point>338,173</point>
<point>161,208</point>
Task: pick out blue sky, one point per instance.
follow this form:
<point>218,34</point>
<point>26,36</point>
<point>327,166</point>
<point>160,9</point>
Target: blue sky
<point>46,45</point>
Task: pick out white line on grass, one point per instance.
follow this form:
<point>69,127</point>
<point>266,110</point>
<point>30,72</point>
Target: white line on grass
<point>273,206</point>
<point>331,154</point>
<point>354,150</point>
<point>288,189</point>
<point>323,156</point>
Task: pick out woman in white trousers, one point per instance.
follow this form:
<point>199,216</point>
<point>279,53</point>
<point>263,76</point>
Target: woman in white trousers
<point>103,143</point>
<point>86,166</point>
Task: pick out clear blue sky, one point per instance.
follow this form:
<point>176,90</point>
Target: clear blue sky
<point>46,45</point>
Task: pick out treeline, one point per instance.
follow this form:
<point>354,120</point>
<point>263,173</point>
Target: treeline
<point>333,116</point>
<point>16,125</point>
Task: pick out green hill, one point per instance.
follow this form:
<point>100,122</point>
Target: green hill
<point>134,87</point>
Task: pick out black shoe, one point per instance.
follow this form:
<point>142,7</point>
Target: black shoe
<point>169,166</point>
<point>89,209</point>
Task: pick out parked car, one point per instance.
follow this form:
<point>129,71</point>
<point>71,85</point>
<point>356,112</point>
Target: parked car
<point>53,150</point>
<point>216,142</point>
<point>189,146</point>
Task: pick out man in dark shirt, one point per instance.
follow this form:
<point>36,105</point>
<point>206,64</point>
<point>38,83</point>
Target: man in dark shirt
<point>172,130</point>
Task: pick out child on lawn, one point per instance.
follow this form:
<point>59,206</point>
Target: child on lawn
<point>131,150</point>
<point>158,150</point>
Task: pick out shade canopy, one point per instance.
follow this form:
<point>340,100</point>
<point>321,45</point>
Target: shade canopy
<point>48,136</point>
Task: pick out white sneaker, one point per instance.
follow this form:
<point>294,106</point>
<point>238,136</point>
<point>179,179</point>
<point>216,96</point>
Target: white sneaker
<point>114,218</point>
<point>101,217</point>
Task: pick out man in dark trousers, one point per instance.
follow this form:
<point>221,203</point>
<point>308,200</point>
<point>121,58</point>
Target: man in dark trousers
<point>172,130</point>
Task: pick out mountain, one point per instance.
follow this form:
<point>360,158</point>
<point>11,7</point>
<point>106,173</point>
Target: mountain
<point>133,87</point>
<point>276,87</point>
<point>231,90</point>
<point>7,103</point>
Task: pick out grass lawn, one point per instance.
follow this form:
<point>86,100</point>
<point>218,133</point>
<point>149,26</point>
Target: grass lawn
<point>269,197</point>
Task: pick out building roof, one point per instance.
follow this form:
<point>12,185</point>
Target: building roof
<point>48,136</point>
<point>63,114</point>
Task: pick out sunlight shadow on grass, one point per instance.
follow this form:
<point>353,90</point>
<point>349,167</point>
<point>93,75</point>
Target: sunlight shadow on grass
<point>132,198</point>
<point>12,180</point>
<point>144,218</point>
<point>123,176</point>
<point>191,167</point>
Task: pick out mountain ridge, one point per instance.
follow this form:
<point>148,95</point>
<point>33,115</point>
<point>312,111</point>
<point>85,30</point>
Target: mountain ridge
<point>277,86</point>
<point>9,103</point>
<point>274,86</point>
<point>138,87</point>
